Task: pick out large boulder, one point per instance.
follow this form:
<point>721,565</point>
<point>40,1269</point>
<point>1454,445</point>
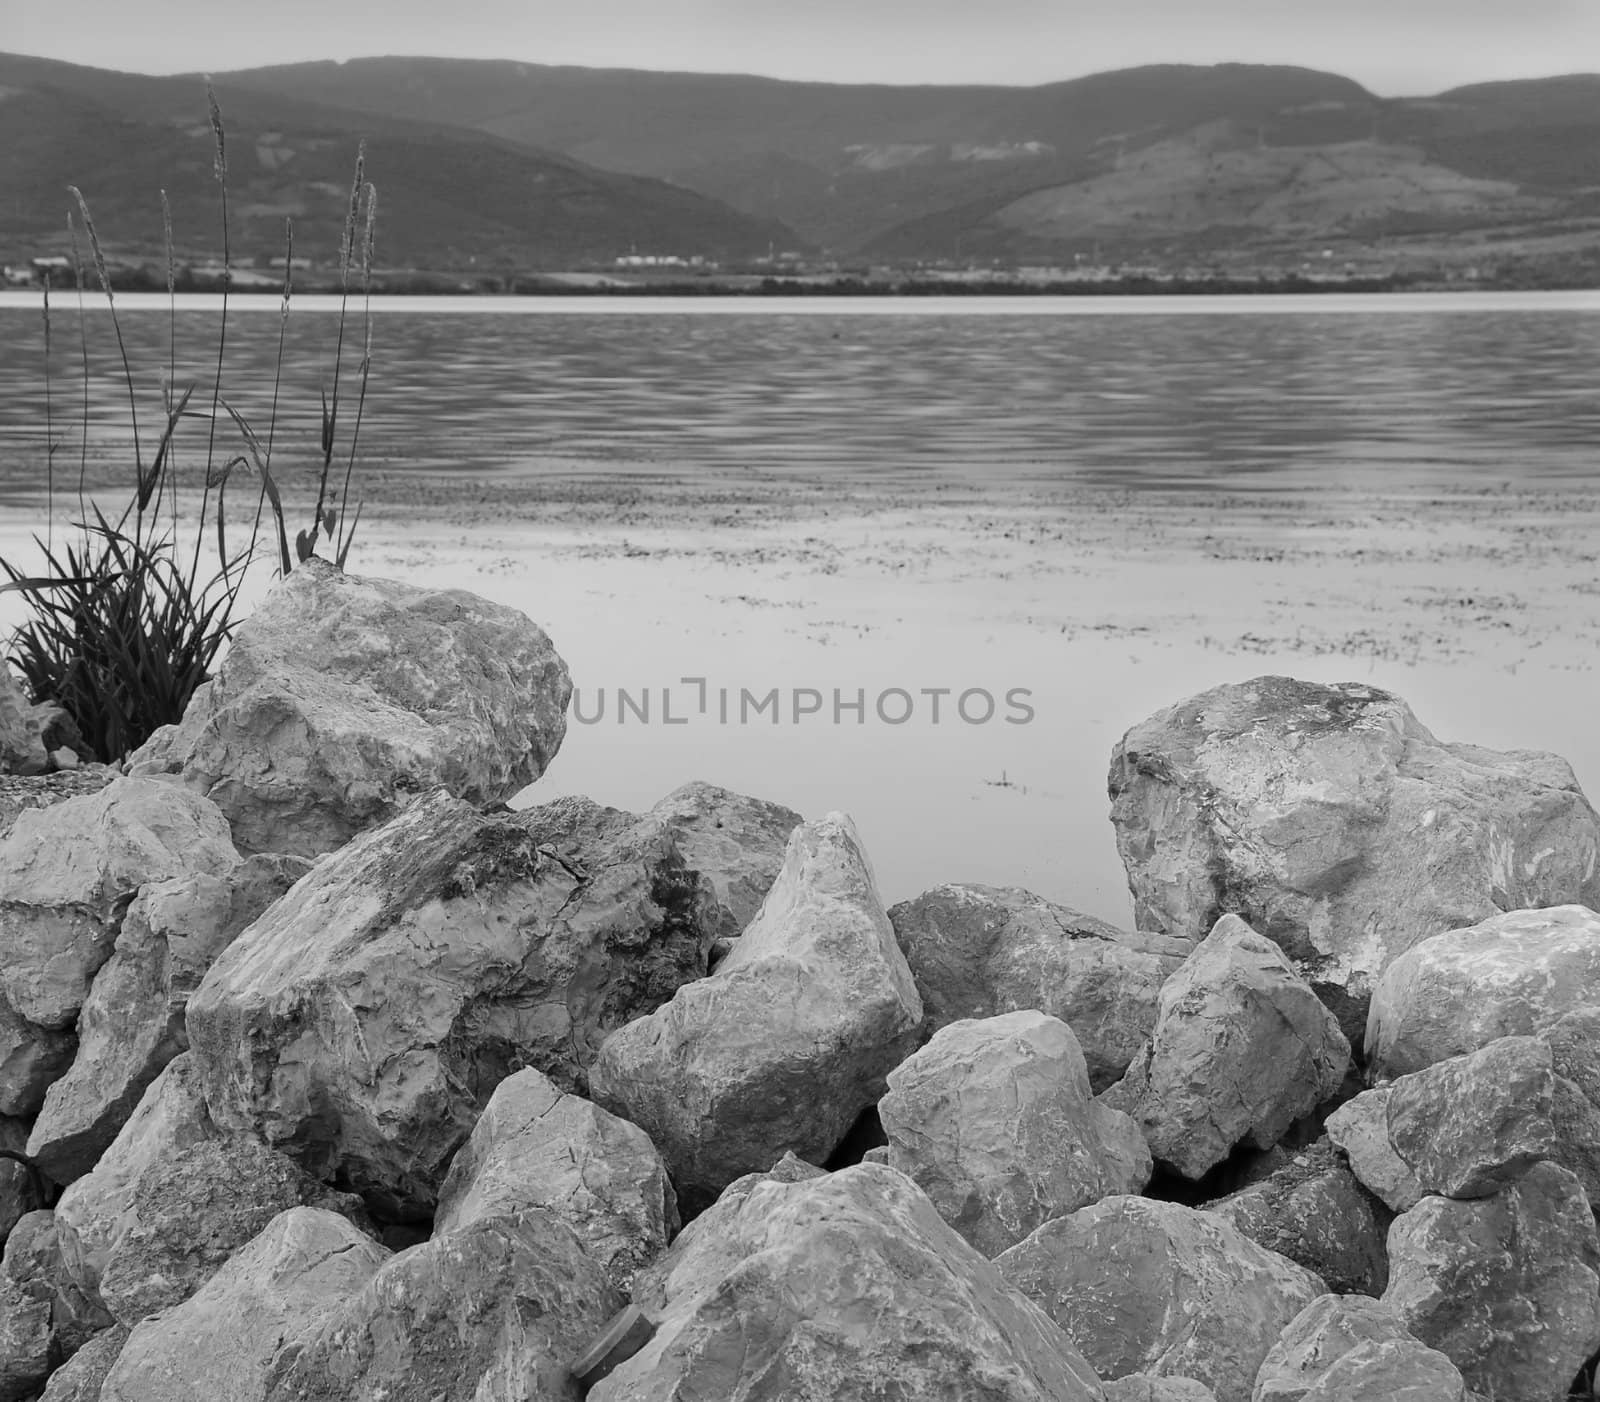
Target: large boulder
<point>537,1146</point>
<point>82,1376</point>
<point>68,874</point>
<point>19,795</point>
<point>363,1021</point>
<point>1508,1287</point>
<point>1360,1130</point>
<point>847,1286</point>
<point>276,1292</point>
<point>1154,1287</point>
<point>1313,1211</point>
<point>341,697</point>
<point>994,1120</point>
<point>1337,825</point>
<point>1574,1042</point>
<point>788,1042</point>
<point>978,951</point>
<point>1510,975</point>
<point>1339,1345</point>
<point>25,1353</point>
<point>494,1312</point>
<point>1241,1049</point>
<point>35,1266</point>
<point>32,1059</point>
<point>22,1187</point>
<point>132,1022</point>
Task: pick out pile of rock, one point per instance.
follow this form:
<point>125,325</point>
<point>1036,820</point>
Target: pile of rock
<point>327,1076</point>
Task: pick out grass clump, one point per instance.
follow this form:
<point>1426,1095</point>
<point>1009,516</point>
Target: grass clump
<point>125,621</point>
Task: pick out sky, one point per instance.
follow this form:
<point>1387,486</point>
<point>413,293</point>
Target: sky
<point>1393,47</point>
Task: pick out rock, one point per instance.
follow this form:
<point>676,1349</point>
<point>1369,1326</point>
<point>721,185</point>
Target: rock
<point>18,794</point>
<point>192,1209</point>
<point>1236,1015</point>
<point>22,1190</point>
<point>1313,1212</point>
<point>82,1376</point>
<point>34,1263</point>
<point>1360,1128</point>
<point>21,744</point>
<point>1331,820</point>
<point>787,1043</point>
<point>495,1312</point>
<point>363,1021</point>
<point>1334,1327</point>
<point>535,1146</point>
<point>1511,975</point>
<point>274,1294</point>
<point>1474,1124</point>
<point>341,696</point>
<point>132,1022</point>
<point>31,1060</point>
<point>735,843</point>
<point>847,1286</point>
<point>994,1120</point>
<point>24,1342</point>
<point>1574,1042</point>
<point>68,874</point>
<point>1151,1387</point>
<point>1505,1286</point>
<point>978,951</point>
<point>1147,1286</point>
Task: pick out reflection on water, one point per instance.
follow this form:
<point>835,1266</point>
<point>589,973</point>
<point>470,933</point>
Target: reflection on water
<point>1336,389</point>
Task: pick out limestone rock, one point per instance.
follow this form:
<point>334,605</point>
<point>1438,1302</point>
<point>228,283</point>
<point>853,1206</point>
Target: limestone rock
<point>363,1021</point>
<point>978,951</point>
<point>1505,1286</point>
<point>82,1376</point>
<point>1360,1129</point>
<point>994,1120</point>
<point>1472,1125</point>
<point>31,1060</point>
<point>846,1287</point>
<point>536,1146</point>
<point>34,1263</point>
<point>21,1190</point>
<point>68,874</point>
<point>18,794</point>
<point>275,1293</point>
<point>342,696</point>
<point>1148,1286</point>
<point>1574,1042</point>
<point>1307,1359</point>
<point>494,1312</point>
<point>788,1042</point>
<point>1151,1387</point>
<point>1333,821</point>
<point>21,745</point>
<point>24,1342</point>
<point>132,1022</point>
<point>1235,1016</point>
<point>1510,975</point>
<point>1313,1212</point>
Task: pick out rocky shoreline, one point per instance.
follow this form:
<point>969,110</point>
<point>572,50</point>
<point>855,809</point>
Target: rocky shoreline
<point>325,1075</point>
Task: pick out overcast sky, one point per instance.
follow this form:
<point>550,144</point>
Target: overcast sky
<point>1394,47</point>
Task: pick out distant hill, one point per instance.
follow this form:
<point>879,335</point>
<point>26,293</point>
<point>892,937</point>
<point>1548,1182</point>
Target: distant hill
<point>448,196</point>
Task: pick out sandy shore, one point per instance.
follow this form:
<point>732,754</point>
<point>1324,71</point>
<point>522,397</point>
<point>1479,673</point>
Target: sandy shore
<point>1087,607</point>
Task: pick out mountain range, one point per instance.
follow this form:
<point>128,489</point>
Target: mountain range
<point>491,163</point>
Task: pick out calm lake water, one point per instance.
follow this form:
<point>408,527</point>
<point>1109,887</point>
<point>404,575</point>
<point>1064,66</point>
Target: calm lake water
<point>1230,391</point>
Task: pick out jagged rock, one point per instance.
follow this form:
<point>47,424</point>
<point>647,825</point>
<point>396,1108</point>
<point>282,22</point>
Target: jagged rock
<point>24,1342</point>
<point>1306,1360</point>
<point>1313,1211</point>
<point>191,1210</point>
<point>735,843</point>
<point>1574,1042</point>
<point>1150,1387</point>
<point>1505,1286</point>
<point>1154,1287</point>
<point>846,1286</point>
<point>978,951</point>
<point>82,1376</point>
<point>1236,1015</point>
<point>788,1042</point>
<point>31,1060</point>
<point>340,697</point>
<point>994,1120</point>
<point>97,1209</point>
<point>1333,821</point>
<point>495,1312</point>
<point>21,743</point>
<point>18,794</point>
<point>1511,975</point>
<point>1360,1129</point>
<point>132,1022</point>
<point>33,1262</point>
<point>21,1191</point>
<point>274,1294</point>
<point>363,1022</point>
<point>68,874</point>
<point>535,1146</point>
<point>1474,1124</point>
